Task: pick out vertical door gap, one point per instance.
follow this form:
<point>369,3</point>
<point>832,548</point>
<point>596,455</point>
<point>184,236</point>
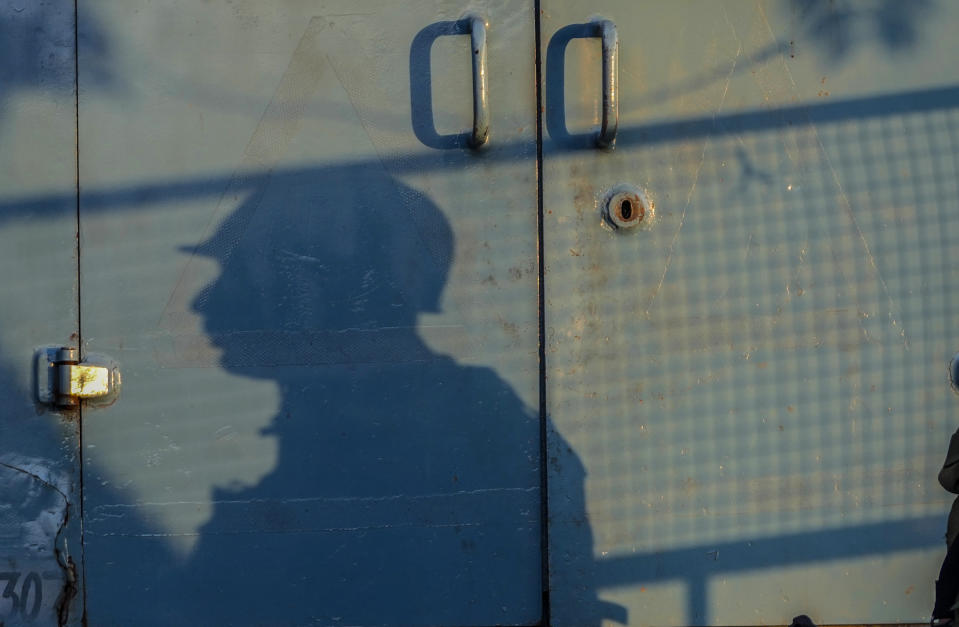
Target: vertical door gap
<point>76,105</point>
<point>541,314</point>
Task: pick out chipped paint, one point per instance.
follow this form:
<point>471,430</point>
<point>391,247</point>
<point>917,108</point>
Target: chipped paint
<point>38,568</point>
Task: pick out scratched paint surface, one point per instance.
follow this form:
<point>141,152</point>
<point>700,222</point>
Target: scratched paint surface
<point>326,314</point>
<point>40,552</point>
<point>40,567</point>
<point>756,387</point>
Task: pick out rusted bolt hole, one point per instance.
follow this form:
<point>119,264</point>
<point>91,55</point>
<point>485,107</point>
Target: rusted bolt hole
<point>630,210</point>
<point>626,207</point>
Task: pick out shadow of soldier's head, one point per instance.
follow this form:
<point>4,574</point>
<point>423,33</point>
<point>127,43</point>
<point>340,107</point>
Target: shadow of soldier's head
<point>313,254</point>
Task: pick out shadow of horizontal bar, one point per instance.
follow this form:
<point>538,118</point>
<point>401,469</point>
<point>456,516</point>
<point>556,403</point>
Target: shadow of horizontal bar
<point>777,551</point>
<point>125,197</point>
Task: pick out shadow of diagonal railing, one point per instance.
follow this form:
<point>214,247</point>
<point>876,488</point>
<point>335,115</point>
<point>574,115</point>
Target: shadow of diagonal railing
<point>143,195</point>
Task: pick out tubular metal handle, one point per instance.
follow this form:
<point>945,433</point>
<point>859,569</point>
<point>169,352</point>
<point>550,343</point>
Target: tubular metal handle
<point>606,136</point>
<point>480,134</point>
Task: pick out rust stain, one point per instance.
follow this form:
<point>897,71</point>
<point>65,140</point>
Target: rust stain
<point>627,209</point>
<point>511,329</point>
<point>583,196</point>
<point>67,415</point>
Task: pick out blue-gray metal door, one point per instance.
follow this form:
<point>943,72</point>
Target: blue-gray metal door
<point>323,298</point>
<point>40,550</point>
<point>324,304</point>
<point>748,389</point>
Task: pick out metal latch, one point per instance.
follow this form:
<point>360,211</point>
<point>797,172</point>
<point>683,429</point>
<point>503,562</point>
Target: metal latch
<point>64,381</point>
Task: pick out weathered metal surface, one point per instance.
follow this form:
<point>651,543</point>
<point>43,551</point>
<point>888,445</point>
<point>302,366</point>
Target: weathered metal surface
<point>286,242</point>
<point>40,548</point>
<point>753,393</point>
<point>285,238</point>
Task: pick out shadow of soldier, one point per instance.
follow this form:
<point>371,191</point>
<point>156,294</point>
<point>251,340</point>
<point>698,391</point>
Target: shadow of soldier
<point>407,485</point>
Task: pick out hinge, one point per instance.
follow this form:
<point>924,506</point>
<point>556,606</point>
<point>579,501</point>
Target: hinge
<point>64,381</point>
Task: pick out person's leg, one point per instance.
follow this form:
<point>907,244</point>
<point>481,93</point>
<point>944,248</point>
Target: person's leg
<point>947,586</point>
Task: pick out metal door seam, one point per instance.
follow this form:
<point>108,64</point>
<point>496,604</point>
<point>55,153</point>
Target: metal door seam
<point>541,315</point>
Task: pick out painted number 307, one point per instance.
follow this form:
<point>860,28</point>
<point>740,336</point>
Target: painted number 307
<point>25,592</point>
